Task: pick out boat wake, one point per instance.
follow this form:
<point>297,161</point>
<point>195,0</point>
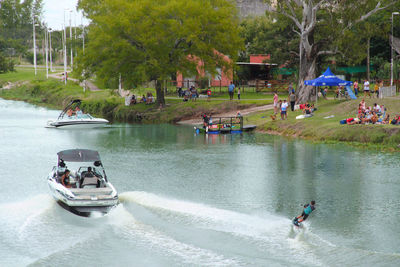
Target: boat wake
<point>266,232</point>
<point>162,231</point>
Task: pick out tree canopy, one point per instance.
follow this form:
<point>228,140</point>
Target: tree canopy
<point>324,28</point>
<point>144,40</point>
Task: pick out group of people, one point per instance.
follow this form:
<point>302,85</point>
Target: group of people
<point>147,99</point>
<point>77,113</point>
<point>88,177</point>
<point>283,105</point>
<point>188,94</point>
<point>366,88</point>
<point>377,114</point>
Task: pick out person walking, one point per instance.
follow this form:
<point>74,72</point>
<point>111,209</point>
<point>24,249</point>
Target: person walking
<point>231,90</point>
<point>239,93</point>
<point>292,100</point>
<point>208,94</point>
<point>276,103</point>
<point>355,86</point>
<point>366,89</point>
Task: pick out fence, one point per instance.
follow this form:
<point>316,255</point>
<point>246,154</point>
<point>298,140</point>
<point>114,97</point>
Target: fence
<point>387,91</point>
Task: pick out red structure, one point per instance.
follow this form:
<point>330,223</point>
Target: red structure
<point>223,78</point>
<point>259,58</point>
<point>257,64</point>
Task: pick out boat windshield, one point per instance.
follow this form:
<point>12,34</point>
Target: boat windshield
<point>79,117</point>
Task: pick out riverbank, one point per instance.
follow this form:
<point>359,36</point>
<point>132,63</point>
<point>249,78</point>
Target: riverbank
<point>324,126</point>
<point>52,93</point>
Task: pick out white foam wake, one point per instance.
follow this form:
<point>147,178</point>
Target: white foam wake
<point>151,237</point>
<point>269,232</point>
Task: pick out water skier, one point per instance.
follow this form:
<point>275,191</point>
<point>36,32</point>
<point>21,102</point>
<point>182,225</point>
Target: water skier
<point>308,208</point>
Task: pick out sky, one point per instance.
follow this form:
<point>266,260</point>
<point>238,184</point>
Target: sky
<point>53,13</point>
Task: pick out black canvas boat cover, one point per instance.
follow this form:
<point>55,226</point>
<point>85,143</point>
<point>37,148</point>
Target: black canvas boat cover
<point>78,155</point>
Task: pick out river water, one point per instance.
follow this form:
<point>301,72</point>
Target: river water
<point>190,200</point>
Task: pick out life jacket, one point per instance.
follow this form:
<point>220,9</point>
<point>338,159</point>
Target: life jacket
<point>308,209</point>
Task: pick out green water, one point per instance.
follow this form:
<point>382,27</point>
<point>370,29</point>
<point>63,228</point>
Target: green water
<point>196,200</point>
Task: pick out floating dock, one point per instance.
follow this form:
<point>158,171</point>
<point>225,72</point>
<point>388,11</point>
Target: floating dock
<point>226,125</point>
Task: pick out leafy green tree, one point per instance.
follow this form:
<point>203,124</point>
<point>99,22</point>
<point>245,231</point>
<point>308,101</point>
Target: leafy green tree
<point>154,39</point>
<point>16,22</point>
<point>321,27</point>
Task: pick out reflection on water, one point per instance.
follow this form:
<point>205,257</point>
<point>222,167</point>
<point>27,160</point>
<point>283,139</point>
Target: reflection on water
<point>197,199</point>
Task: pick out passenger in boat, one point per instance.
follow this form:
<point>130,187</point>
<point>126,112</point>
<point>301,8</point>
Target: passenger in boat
<point>205,120</point>
<point>89,178</point>
<point>238,116</point>
<point>65,179</point>
<point>78,112</point>
<point>70,113</point>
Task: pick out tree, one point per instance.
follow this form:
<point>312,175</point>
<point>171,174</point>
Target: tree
<point>16,19</point>
<point>321,26</point>
<point>153,39</point>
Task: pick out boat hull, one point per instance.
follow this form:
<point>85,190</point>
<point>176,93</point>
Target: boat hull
<point>86,211</point>
<point>78,124</point>
<point>84,202</point>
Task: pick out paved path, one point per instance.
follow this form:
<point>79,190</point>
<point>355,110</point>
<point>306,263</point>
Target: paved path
<point>91,86</point>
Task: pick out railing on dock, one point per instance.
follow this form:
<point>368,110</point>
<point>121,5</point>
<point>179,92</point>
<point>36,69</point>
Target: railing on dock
<point>228,123</point>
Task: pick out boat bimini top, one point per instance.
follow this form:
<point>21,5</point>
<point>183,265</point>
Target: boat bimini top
<point>79,155</point>
<point>73,104</point>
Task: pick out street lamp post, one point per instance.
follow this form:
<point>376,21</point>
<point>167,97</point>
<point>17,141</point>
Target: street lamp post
<point>70,38</point>
<point>51,59</point>
<point>391,47</point>
<point>34,43</point>
<point>46,36</point>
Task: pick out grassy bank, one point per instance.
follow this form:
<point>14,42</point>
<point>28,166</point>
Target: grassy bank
<point>106,103</point>
<point>319,128</point>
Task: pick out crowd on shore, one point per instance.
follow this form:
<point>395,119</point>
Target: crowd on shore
<point>133,99</point>
<point>377,114</point>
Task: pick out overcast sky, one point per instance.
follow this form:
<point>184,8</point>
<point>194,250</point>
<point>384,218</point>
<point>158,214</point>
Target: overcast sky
<point>53,11</point>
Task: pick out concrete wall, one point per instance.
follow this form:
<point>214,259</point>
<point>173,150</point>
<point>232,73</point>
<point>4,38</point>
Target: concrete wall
<point>251,7</point>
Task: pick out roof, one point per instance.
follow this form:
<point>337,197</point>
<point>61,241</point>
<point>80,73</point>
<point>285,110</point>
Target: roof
<point>259,64</point>
<point>327,79</point>
<point>79,155</point>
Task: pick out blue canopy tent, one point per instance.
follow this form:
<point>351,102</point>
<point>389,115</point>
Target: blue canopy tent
<point>330,79</point>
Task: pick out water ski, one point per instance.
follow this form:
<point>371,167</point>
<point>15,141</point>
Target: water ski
<point>296,222</point>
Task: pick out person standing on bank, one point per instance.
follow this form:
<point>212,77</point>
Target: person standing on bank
<point>231,90</point>
<point>366,89</point>
<point>284,107</point>
<point>239,93</point>
<point>276,108</point>
<point>292,100</point>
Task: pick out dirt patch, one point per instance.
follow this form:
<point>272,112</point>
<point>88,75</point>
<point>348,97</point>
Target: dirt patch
<point>10,85</point>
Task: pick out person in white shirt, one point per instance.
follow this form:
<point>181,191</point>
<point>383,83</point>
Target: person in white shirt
<point>284,107</point>
<point>366,89</point>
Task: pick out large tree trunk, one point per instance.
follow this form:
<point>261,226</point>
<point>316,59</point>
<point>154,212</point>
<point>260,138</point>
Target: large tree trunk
<point>308,57</point>
<point>160,94</point>
<point>306,72</point>
<point>368,57</point>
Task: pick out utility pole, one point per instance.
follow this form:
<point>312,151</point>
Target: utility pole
<point>51,60</point>
<point>70,38</point>
<point>34,43</point>
<point>46,48</point>
<point>391,49</point>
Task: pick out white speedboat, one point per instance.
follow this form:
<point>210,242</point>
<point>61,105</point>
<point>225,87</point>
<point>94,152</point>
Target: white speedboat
<point>88,189</point>
<point>69,119</point>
